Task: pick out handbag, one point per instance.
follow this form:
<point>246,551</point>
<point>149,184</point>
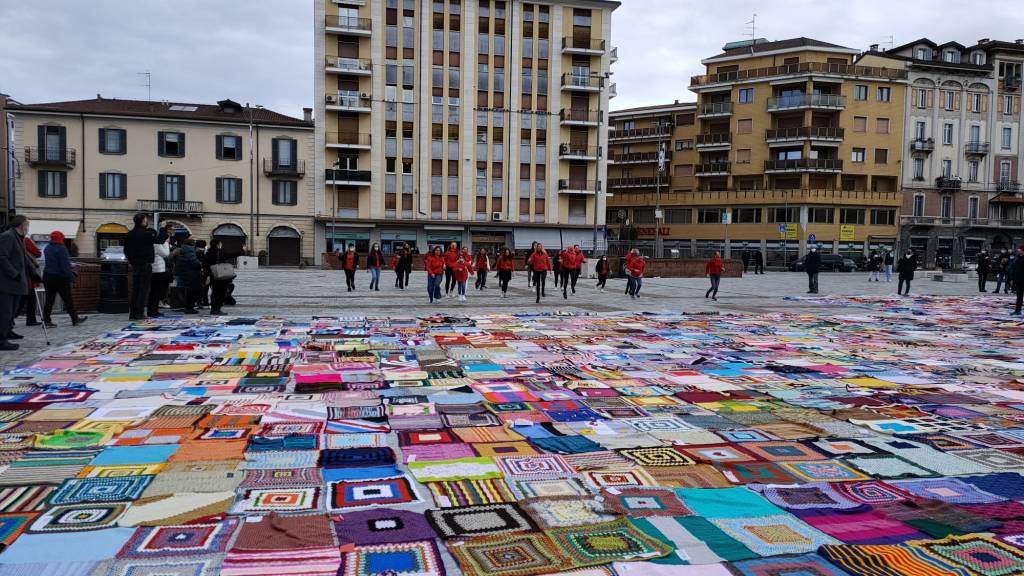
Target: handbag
<point>222,272</point>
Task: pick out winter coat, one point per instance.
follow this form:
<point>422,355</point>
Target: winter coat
<point>482,262</point>
<point>375,260</point>
<point>1016,271</point>
<point>349,261</point>
<point>396,261</point>
<point>812,263</point>
<point>714,267</point>
<point>906,266</point>
<point>602,267</point>
<point>32,255</point>
<point>460,271</point>
<point>637,266</point>
<point>889,259</point>
<point>451,257</point>
<point>539,262</point>
<point>187,267</point>
<point>983,264</point>
<point>13,275</point>
<point>138,245</point>
<point>160,254</point>
<point>58,262</point>
<point>506,264</point>
<point>434,264</point>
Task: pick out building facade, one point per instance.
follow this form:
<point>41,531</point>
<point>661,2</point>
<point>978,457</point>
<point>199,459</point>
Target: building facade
<point>475,121</point>
<point>961,190</point>
<point>224,171</point>
<point>9,165</point>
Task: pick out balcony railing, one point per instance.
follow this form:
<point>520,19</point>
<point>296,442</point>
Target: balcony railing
<point>711,168</point>
<point>922,145</point>
<point>348,139</point>
<point>637,182</point>
<point>613,54</point>
<point>295,168</point>
<point>579,186</point>
<point>961,222</point>
<point>582,81</point>
<point>716,109</point>
<point>576,115</point>
<point>1007,186</point>
<point>793,101</point>
<point>64,157</point>
<point>804,165</point>
<point>582,44</point>
<point>349,23</point>
<point>579,150</point>
<point>803,133</point>
<point>348,99</point>
<point>975,147</point>
<point>637,157</point>
<point>349,64</point>
<point>347,175</point>
<point>613,90</point>
<point>718,139</point>
<point>799,68</point>
<point>172,206</point>
<point>946,183</point>
<point>651,132</point>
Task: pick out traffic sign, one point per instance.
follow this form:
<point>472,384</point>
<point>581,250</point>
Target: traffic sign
<point>812,238</point>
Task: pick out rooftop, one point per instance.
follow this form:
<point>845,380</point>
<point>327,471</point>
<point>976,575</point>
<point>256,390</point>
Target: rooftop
<point>223,111</point>
<point>654,109</point>
<point>791,44</point>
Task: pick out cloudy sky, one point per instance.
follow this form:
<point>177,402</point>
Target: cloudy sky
<point>261,51</point>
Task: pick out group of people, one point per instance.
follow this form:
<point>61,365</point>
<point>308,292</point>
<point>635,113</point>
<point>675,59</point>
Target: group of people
<point>878,263</point>
<point>905,268</point>
<point>1008,269</point>
<point>752,258</point>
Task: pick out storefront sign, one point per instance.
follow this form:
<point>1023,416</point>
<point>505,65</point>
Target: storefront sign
<point>652,231</point>
<point>846,232</point>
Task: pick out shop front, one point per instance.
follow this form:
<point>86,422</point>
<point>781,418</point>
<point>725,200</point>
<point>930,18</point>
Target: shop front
<point>110,234</point>
<point>231,237</point>
<point>284,247</point>
<point>339,239</point>
<point>391,240</point>
<point>491,241</point>
<point>39,230</point>
<point>443,236</point>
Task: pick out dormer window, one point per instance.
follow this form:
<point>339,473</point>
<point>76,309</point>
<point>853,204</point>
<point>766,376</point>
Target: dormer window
<point>924,54</point>
<point>978,58</point>
<point>951,56</point>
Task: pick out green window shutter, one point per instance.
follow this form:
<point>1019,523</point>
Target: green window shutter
<point>63,183</point>
<point>124,185</point>
<point>103,181</point>
<point>103,140</point>
<point>220,188</point>
<point>181,143</point>
<point>160,143</point>
<point>220,147</point>
<point>181,187</point>
<point>124,142</point>
<point>41,182</point>
<point>160,186</point>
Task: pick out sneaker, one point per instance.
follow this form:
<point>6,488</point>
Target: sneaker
<point>715,298</point>
<point>82,319</point>
<point>462,298</point>
<point>7,346</point>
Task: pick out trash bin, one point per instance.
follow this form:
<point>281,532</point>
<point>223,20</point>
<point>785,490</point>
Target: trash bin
<point>113,288</point>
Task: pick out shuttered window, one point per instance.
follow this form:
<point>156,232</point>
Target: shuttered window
<point>113,186</point>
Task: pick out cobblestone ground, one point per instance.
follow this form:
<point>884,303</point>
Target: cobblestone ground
<point>312,292</point>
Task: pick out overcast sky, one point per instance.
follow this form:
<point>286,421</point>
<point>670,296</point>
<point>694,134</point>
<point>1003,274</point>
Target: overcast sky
<point>261,51</point>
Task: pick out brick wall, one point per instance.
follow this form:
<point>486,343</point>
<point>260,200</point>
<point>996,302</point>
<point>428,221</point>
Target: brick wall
<point>86,288</point>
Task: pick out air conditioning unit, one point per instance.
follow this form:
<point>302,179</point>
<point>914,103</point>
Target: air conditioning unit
<point>330,100</point>
<point>364,95</point>
<point>497,216</point>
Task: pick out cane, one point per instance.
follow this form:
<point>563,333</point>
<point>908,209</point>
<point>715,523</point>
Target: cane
<point>39,310</point>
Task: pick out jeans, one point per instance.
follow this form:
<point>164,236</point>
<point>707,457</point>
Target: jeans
<point>434,286</point>
<point>812,282</point>
<point>503,279</point>
<point>462,287</point>
<point>633,285</point>
<point>141,276</point>
<point>449,280</point>
<point>899,287</point>
<point>8,312</point>
<point>873,276</point>
<point>888,272</point>
<point>350,280</point>
<point>481,279</point>
<point>713,291</point>
<point>375,278</point>
<point>539,280</point>
<point>54,287</point>
<point>629,285</point>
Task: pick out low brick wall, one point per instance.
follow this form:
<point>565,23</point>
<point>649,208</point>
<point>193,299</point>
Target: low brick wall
<point>682,267</point>
<point>86,288</point>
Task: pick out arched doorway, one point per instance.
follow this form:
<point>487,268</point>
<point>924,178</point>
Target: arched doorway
<point>284,247</point>
<point>231,237</point>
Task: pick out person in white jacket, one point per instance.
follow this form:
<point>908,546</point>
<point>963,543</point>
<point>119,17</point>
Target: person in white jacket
<point>161,279</point>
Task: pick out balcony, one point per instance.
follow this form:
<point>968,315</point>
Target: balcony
<point>613,90</point>
<point>974,148</point>
<point>573,186</point>
<point>347,177</point>
<point>355,140</point>
<point>582,82</point>
<point>926,145</point>
<point>578,152</point>
<point>637,158</point>
<point>354,66</point>
<point>804,165</point>
<point>947,183</point>
<point>805,101</point>
<point>50,157</point>
<point>1008,186</point>
<point>293,169</point>
<point>718,141</point>
<point>715,110</point>
<point>660,132</point>
<point>637,182</point>
<point>713,169</point>
<point>348,25</point>
<point>613,55</point>
<point>961,222</point>
<point>822,134</point>
<point>572,117</point>
<point>185,207</point>
<point>581,45</point>
<point>799,69</point>
<point>349,101</point>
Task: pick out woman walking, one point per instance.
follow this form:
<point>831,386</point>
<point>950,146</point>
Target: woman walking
<point>540,263</point>
<point>713,269</point>
<point>406,265</point>
<point>602,270</point>
<point>505,265</point>
<point>529,269</point>
<point>58,274</point>
<point>451,256</point>
<point>905,268</point>
<point>575,261</point>
<point>218,287</point>
<point>350,263</point>
<point>556,267</point>
<point>396,262</point>
<point>435,265</point>
<point>374,262</point>
<point>482,265</point>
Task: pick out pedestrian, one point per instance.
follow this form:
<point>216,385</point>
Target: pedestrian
<point>450,257</point>
<point>888,262</point>
<point>188,272</point>
<point>746,258</point>
<point>905,269</point>
<point>758,262</point>
<point>575,265</point>
<point>1002,271</point>
<point>14,280</point>
<point>637,268</point>
<point>160,278</point>
<point>138,250</point>
<point>29,303</point>
<point>58,275</point>
<point>406,264</point>
<point>1018,280</point>
<point>396,261</point>
<point>539,262</point>
<point>602,270</point>
<point>713,269</point>
<point>217,254</point>
<point>875,266</point>
<point>350,263</point>
<point>374,262</point>
<point>983,267</point>
<point>435,266</point>
<point>505,265</point>
<point>482,265</point>
<point>634,253</point>
<point>203,299</point>
<point>460,271</point>
<point>529,269</point>
<point>812,265</point>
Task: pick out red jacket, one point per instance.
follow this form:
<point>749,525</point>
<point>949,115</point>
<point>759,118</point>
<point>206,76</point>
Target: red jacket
<point>460,271</point>
<point>482,263</point>
<point>539,261</point>
<point>506,264</point>
<point>637,266</point>
<point>434,264</point>
<point>451,257</point>
<point>572,260</point>
<point>395,260</point>
<point>714,267</point>
<point>349,261</point>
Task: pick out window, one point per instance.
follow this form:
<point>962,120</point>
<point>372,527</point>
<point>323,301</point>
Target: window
<point>881,155</point>
<point>171,188</point>
<point>229,190</point>
<point>784,215</point>
<point>229,147</point>
<point>919,130</point>
<point>1004,171</point>
<point>948,99</point>
<point>860,92</point>
<point>947,134</point>
<point>951,56</point>
<point>883,94</point>
<point>113,186</point>
<point>746,95</point>
<point>581,17</point>
<point>51,143</point>
<point>284,150</point>
<point>1007,140</point>
<point>858,155</point>
<point>678,216</point>
<point>483,43</point>
<point>643,216</point>
<point>113,141</point>
<point>746,215</point>
<point>918,168</point>
<point>851,215</point>
<point>285,192</point>
<point>978,58</point>
<point>947,206</point>
<point>860,124</point>
<point>171,144</point>
<point>882,125</point>
<point>972,207</point>
<point>628,124</point>
<point>924,54</point>
<point>685,119</point>
<point>947,168</point>
<point>972,171</point>
<point>709,215</point>
<point>975,102</point>
<point>745,126</point>
<point>821,215</point>
<point>743,156</point>
<point>1007,104</point>
<point>53,184</point>
<point>883,217</point>
<point>922,98</point>
<point>684,145</point>
<point>918,204</point>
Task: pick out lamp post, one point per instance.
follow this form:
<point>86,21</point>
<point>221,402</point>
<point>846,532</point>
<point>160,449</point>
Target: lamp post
<point>252,170</point>
<point>334,211</point>
<point>601,78</point>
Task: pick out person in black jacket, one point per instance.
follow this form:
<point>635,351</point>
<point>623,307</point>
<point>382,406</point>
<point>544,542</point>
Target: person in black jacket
<point>14,278</point>
<point>812,265</point>
<point>218,288</point>
<point>188,272</point>
<point>1018,279</point>
<point>758,262</point>
<point>138,250</point>
<point>983,267</point>
<point>905,268</point>
<point>57,278</point>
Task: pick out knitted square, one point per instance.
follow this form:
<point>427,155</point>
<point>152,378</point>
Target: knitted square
<point>750,472</point>
<point>612,541</point>
<point>952,490</point>
<point>77,517</point>
<point>653,457</point>
<point>508,555</point>
<point>720,453</point>
<point>824,470</point>
<point>557,511</point>
<point>419,558</point>
<point>642,502</point>
<point>357,457</point>
<point>979,554</point>
<point>382,526</point>
<point>13,524</point>
<point>283,499</point>
<point>540,467</point>
<point>993,458</point>
<point>184,540</point>
<point>872,492</point>
<point>858,526</point>
<point>806,496</point>
<point>453,493</point>
<point>806,565</point>
<point>382,492</point>
<point>77,490</point>
<point>192,566</point>
<point>774,535</point>
<point>888,466</point>
<point>618,477</point>
<point>480,520</point>
<point>777,451</point>
<point>425,437</point>
<point>546,488</point>
<point>492,449</point>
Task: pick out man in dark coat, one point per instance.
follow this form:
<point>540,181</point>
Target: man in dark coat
<point>1018,279</point>
<point>812,265</point>
<point>983,267</point>
<point>188,272</point>
<point>905,268</point>
<point>138,250</point>
<point>14,282</point>
<point>758,262</point>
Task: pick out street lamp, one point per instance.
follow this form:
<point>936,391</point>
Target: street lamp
<point>334,212</point>
<point>601,77</point>
<point>252,170</point>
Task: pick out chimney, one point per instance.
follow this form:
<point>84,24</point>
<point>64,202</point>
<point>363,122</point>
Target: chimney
<point>873,48</point>
<point>307,114</point>
<point>983,41</point>
<point>99,96</point>
<point>1019,41</point>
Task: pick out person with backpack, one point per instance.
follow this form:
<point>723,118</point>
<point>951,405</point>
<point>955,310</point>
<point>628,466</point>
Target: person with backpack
<point>539,262</point>
<point>602,268</point>
<point>713,269</point>
<point>482,265</point>
<point>435,266</point>
<point>374,262</point>
<point>350,263</point>
<point>505,266</point>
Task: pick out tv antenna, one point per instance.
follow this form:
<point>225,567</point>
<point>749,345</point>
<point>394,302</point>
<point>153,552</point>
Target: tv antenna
<point>752,23</point>
<point>148,84</point>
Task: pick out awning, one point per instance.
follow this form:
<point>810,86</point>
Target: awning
<point>112,229</point>
<point>69,228</point>
<point>551,238</point>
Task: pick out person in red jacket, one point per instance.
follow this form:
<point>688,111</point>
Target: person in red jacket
<point>637,266</point>
<point>460,271</point>
<point>540,262</point>
<point>505,265</point>
<point>450,257</point>
<point>396,260</point>
<point>713,269</point>
<point>374,262</point>
<point>632,254</point>
<point>350,263</point>
<point>571,268</point>
<point>482,265</point>
<point>435,266</point>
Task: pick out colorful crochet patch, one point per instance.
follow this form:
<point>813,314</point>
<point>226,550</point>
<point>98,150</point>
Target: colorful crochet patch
<point>979,554</point>
<point>774,535</point>
<point>159,541</point>
<point>641,502</point>
<point>78,490</point>
<point>665,456</point>
<point>77,517</point>
<point>400,559</point>
<point>480,520</point>
<point>382,492</point>
<point>617,540</point>
<point>512,555</point>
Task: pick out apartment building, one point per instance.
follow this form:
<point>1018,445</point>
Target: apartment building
<point>218,171</point>
<point>961,190</point>
<point>480,122</point>
<point>9,165</point>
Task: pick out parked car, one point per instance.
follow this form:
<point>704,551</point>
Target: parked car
<point>833,262</point>
<point>113,253</point>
